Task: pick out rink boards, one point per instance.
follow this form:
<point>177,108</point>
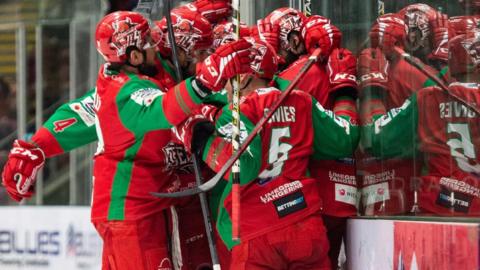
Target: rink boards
<point>410,245</point>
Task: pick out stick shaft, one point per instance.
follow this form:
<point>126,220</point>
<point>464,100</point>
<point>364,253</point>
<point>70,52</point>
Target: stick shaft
<point>421,67</point>
<point>236,134</point>
<point>207,219</point>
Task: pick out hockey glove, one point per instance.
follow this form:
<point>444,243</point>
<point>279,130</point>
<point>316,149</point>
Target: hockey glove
<point>342,70</point>
<point>440,36</point>
<point>18,176</point>
<point>227,61</point>
<point>194,133</point>
<point>318,32</point>
<point>268,32</point>
<point>388,31</point>
<point>214,11</point>
<point>373,69</point>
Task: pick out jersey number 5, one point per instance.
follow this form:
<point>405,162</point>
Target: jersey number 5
<point>278,153</point>
<point>462,149</point>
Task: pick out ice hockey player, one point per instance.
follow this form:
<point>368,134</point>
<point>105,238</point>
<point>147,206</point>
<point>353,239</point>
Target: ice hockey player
<point>133,125</point>
<point>446,130</point>
<point>281,221</point>
<point>388,186</point>
<point>73,125</point>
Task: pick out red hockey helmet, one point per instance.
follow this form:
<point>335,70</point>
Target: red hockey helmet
<point>464,53</point>
<point>192,31</point>
<point>417,18</point>
<point>119,30</point>
<point>265,60</point>
<point>463,24</point>
<point>223,33</point>
<point>288,20</point>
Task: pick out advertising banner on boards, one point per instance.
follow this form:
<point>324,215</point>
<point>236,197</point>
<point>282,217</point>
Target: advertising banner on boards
<point>48,238</point>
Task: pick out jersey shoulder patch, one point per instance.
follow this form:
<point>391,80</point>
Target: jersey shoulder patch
<point>146,96</point>
<point>85,110</point>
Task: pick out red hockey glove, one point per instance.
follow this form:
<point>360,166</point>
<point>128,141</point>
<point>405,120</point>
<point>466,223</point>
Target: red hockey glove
<point>373,68</point>
<point>318,32</point>
<point>194,133</point>
<point>18,176</point>
<point>342,69</point>
<point>388,31</point>
<point>214,10</point>
<point>227,61</point>
<point>440,36</point>
<point>210,112</point>
<point>268,32</point>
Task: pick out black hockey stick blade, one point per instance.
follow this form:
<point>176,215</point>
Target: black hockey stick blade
<point>212,182</point>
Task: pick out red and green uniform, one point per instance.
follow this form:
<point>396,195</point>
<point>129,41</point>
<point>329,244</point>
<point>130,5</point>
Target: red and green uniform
<point>275,187</point>
<point>397,173</point>
<point>337,177</point>
<point>446,134</point>
<point>134,118</point>
<point>339,186</point>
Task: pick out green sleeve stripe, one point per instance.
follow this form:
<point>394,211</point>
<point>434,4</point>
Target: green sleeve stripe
<point>139,105</point>
<point>191,92</point>
<point>282,84</point>
<point>121,182</point>
<point>440,75</point>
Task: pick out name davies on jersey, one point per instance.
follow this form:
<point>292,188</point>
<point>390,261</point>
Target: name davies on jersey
<point>454,109</point>
<point>284,114</point>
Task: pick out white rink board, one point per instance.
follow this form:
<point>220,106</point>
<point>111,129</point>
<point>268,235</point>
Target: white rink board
<point>370,244</point>
<point>48,238</point>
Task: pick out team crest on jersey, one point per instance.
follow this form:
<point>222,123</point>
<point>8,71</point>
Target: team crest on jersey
<point>125,34</point>
<point>176,158</point>
<point>146,96</point>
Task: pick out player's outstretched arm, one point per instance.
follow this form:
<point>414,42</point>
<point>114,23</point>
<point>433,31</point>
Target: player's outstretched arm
<point>71,126</point>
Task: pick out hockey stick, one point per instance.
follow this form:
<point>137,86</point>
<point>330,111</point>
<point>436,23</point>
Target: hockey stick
<point>258,127</point>
<point>420,66</point>
<point>171,37</point>
<point>307,7</point>
<point>207,219</point>
<point>196,165</point>
<point>236,133</point>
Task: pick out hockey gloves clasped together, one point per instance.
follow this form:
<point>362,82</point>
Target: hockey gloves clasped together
<point>227,61</point>
<point>20,171</point>
<point>373,69</point>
